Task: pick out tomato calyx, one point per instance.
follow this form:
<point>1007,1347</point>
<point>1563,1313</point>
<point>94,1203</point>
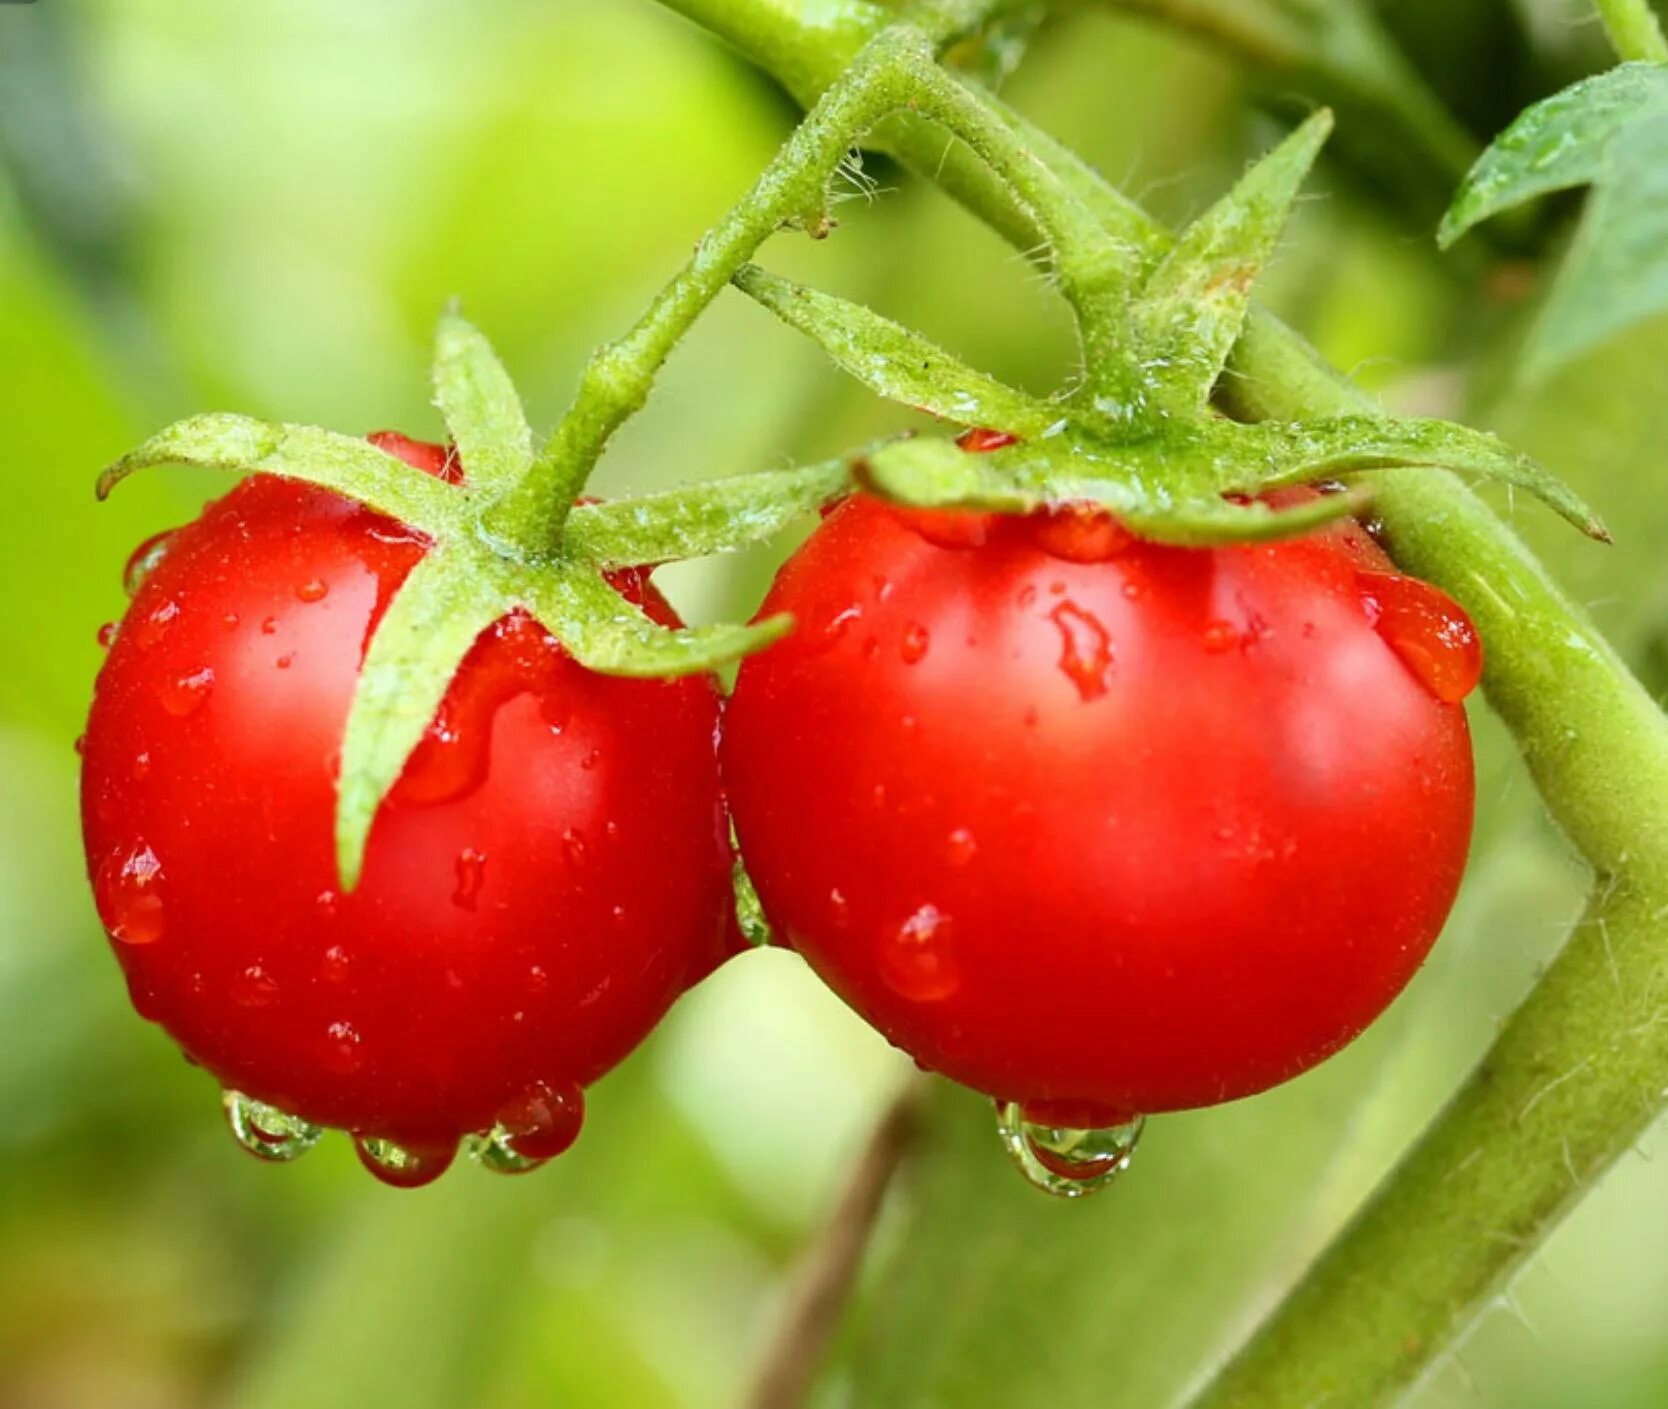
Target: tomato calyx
<point>490,556</point>
<point>1139,437</point>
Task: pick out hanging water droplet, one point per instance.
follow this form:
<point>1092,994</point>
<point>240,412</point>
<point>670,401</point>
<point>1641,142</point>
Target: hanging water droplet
<point>142,563</point>
<point>915,959</point>
<point>267,1132</point>
<point>537,1126</point>
<point>1063,1161</point>
<point>107,634</point>
<point>1080,533</point>
<point>403,1166</point>
<point>1427,629</point>
<point>1085,649</point>
<point>129,896</point>
<point>948,528</point>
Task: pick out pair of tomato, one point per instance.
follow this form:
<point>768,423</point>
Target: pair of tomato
<point>1090,824</point>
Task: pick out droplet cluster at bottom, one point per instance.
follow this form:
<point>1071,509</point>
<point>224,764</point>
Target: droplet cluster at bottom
<point>1064,1161</point>
<point>534,1130</point>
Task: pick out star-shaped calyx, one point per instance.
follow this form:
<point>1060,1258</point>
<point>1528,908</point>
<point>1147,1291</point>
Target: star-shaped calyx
<point>1139,437</point>
<point>488,557</point>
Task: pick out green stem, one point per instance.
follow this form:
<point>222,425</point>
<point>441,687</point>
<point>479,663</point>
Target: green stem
<point>1581,1068</point>
<point>1634,31</point>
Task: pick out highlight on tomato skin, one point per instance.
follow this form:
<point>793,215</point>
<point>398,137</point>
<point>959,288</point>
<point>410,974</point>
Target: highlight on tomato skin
<point>1100,827</point>
<point>550,872</point>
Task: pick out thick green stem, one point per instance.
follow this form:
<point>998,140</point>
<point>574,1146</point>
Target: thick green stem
<point>1582,1067</point>
<point>1634,31</point>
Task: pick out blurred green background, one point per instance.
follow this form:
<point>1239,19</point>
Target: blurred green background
<point>261,207</point>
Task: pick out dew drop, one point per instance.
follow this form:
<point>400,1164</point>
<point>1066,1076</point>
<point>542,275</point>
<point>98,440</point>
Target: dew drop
<point>335,965</point>
<point>129,895</point>
<point>403,1166</point>
<point>915,960</point>
<point>230,621</point>
<point>839,909</point>
<point>1219,636</point>
<point>915,643</point>
<point>1063,1160</point>
<point>267,1132</point>
<point>143,562</point>
<point>1080,533</point>
<point>286,660</point>
<point>155,626</point>
<point>1085,649</point>
<point>947,528</point>
<point>1429,632</point>
<point>471,874</point>
<point>183,696</point>
<point>269,626</point>
<point>107,634</point>
<point>573,845</point>
<point>80,744</point>
<point>344,1048</point>
<point>254,988</point>
<point>141,766</point>
<point>591,759</point>
<point>960,847</point>
<point>312,590</point>
<point>538,1125</point>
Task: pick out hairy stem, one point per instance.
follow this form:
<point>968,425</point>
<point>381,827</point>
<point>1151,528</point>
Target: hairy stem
<point>817,1298</point>
<point>1581,1068</point>
<point>1633,30</point>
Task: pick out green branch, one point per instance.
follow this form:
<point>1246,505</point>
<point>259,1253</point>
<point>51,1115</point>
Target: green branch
<point>1580,1069</point>
<point>1633,30</point>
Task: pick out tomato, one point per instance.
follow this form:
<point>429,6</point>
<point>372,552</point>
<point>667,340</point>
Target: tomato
<point>1097,826</point>
<point>550,872</point>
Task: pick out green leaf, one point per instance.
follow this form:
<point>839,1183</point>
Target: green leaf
<point>1340,445</point>
<point>1557,144</point>
<point>606,633</point>
<point>928,473</point>
<point>481,407</point>
<point>719,516</point>
<point>350,467</point>
<point>1616,274</point>
<point>894,362</point>
<point>446,601</point>
<point>1190,312</point>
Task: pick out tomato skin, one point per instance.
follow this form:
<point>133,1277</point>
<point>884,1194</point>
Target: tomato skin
<point>1110,830</point>
<point>549,874</point>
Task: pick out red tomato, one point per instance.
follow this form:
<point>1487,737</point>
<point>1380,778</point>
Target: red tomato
<point>550,872</point>
<point>1098,826</point>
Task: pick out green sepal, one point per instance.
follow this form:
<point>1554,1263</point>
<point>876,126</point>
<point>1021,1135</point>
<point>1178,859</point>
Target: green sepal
<point>351,467</point>
<point>698,520</point>
<point>445,602</point>
<point>1188,315</point>
<point>482,410</point>
<point>894,362</point>
<point>606,633</point>
<point>1309,450</point>
<point>1557,144</point>
<point>935,474</point>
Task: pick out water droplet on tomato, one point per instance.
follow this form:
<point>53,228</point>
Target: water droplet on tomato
<point>1067,1161</point>
<point>335,965</point>
<point>1219,636</point>
<point>1427,629</point>
<point>1080,533</point>
<point>344,1048</point>
<point>915,643</point>
<point>1085,649</point>
<point>267,1132</point>
<point>254,988</point>
<point>143,561</point>
<point>915,960</point>
<point>450,762</point>
<point>269,626</point>
<point>155,625</point>
<point>538,1125</point>
<point>129,895</point>
<point>141,766</point>
<point>230,621</point>
<point>107,634</point>
<point>312,590</point>
<point>573,845</point>
<point>471,874</point>
<point>947,528</point>
<point>80,744</point>
<point>186,694</point>
<point>286,660</point>
<point>961,846</point>
<point>591,759</point>
<point>981,440</point>
<point>403,1166</point>
<point>839,909</point>
<point>1028,595</point>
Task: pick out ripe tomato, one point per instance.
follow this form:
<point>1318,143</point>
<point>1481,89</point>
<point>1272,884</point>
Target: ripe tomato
<point>547,876</point>
<point>1097,826</point>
